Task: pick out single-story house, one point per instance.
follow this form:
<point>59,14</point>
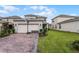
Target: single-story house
<point>66,23</point>
<point>27,24</point>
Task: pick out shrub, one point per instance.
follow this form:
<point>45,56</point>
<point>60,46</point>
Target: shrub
<point>7,29</point>
<point>75,45</point>
<point>3,33</point>
<point>40,33</point>
<point>44,31</point>
<point>41,30</point>
<point>13,30</point>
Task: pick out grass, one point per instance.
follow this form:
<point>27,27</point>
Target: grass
<point>57,42</point>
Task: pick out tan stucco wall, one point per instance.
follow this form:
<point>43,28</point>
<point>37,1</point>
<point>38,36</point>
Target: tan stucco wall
<point>4,19</point>
<point>71,26</point>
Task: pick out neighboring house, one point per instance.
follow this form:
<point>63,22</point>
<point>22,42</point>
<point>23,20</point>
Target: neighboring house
<point>49,26</point>
<point>28,24</point>
<point>66,23</point>
<point>59,19</point>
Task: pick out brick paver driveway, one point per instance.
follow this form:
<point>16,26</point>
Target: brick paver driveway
<point>18,43</point>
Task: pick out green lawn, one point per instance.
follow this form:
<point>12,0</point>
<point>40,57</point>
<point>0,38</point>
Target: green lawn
<point>57,42</point>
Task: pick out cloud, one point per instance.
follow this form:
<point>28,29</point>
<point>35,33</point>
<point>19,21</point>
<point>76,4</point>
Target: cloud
<point>73,14</point>
<point>42,7</point>
<point>3,11</point>
<point>44,11</point>
<point>38,7</point>
<point>34,7</point>
<point>6,9</point>
<point>9,8</point>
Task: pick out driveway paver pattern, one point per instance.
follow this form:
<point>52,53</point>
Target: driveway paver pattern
<point>18,43</point>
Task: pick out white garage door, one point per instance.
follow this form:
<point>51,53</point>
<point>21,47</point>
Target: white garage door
<point>21,28</point>
<point>33,27</point>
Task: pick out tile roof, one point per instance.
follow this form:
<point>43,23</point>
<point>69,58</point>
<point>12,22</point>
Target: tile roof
<point>70,20</point>
<point>13,17</point>
<point>35,15</point>
<point>68,16</point>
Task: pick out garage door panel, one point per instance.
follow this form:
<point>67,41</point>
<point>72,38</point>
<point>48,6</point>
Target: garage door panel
<point>22,28</point>
<point>33,28</point>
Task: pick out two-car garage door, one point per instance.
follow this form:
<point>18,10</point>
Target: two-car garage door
<point>23,28</point>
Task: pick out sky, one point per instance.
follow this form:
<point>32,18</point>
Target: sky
<point>49,11</point>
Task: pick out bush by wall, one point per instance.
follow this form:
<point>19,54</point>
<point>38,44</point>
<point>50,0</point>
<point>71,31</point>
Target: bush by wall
<point>43,31</point>
<point>75,45</point>
<point>6,30</point>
